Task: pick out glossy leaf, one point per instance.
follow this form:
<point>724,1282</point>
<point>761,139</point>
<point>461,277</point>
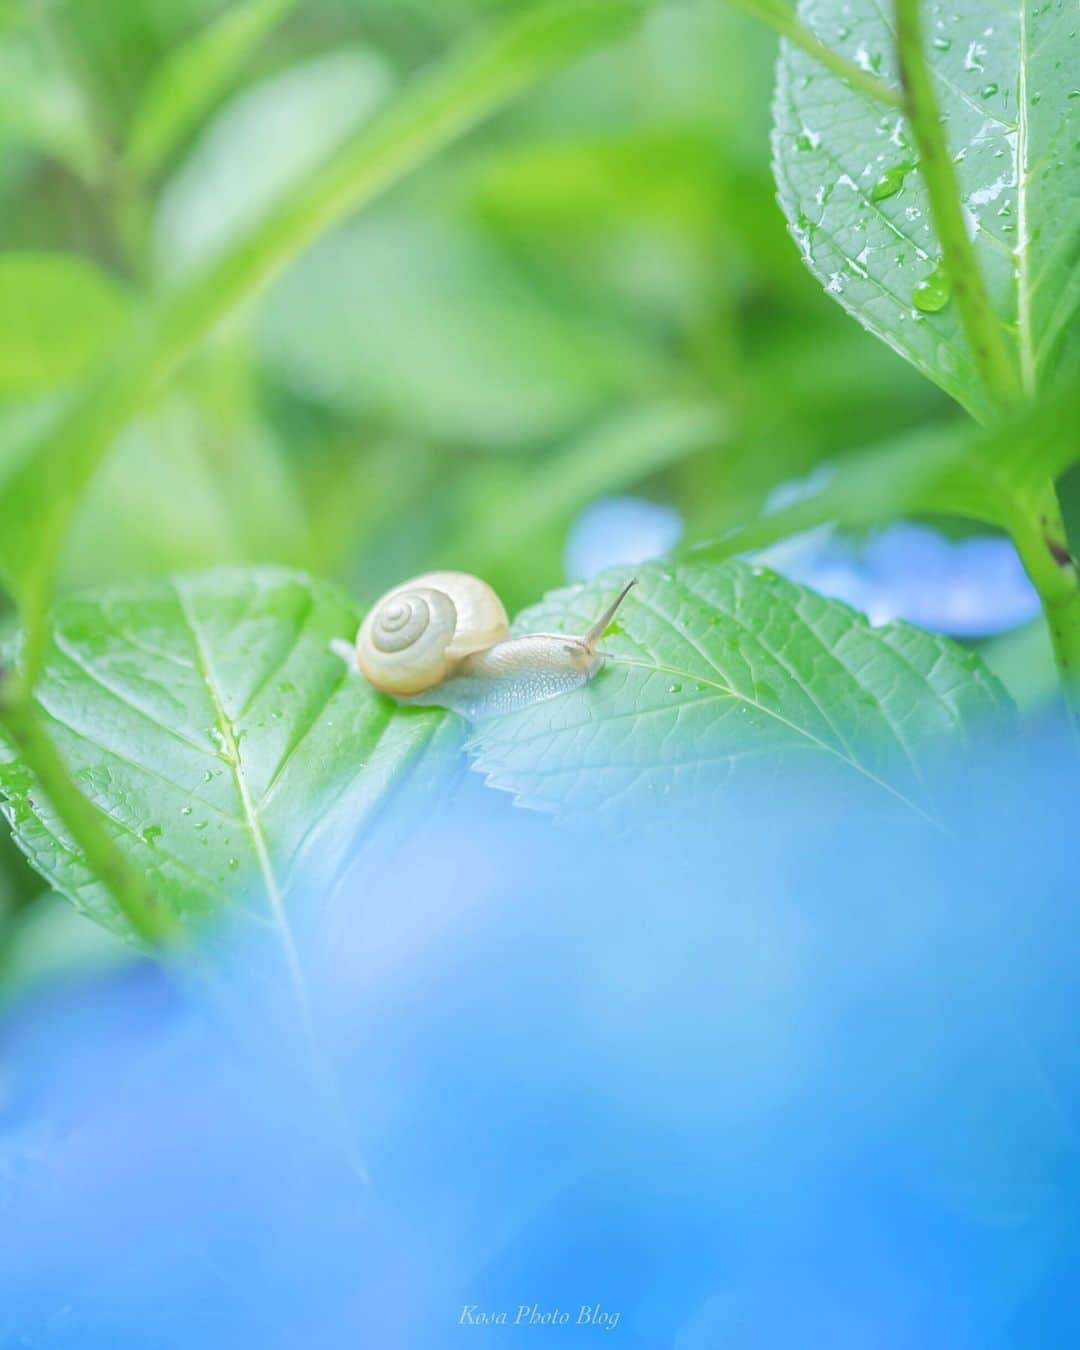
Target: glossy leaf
<point>851,188</point>
<point>226,747</point>
<point>58,315</point>
<point>716,669</point>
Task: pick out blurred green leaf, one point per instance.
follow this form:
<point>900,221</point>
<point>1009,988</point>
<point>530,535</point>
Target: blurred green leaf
<point>951,468</point>
<point>42,107</point>
<point>413,320</point>
<point>221,189</point>
<point>934,470</point>
<point>225,747</point>
<point>521,523</point>
<point>52,942</point>
<point>858,208</point>
<point>717,667</point>
<point>183,490</point>
<point>193,77</point>
<point>38,496</point>
<point>1023,660</point>
<point>674,175</point>
<point>656,219</point>
<point>58,316</point>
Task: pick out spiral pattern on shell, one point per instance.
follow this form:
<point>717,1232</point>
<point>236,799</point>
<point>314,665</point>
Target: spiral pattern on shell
<point>401,620</point>
<point>415,636</point>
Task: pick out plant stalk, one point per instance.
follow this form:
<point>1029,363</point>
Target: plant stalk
<point>982,328</point>
<point>1039,534</point>
<point>22,727</point>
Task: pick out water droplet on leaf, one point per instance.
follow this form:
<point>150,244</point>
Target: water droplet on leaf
<point>891,181</point>
<point>933,293</point>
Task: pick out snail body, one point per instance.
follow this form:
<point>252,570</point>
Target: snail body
<point>443,638</point>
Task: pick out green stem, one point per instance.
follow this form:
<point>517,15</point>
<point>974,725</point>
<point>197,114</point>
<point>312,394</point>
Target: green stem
<point>981,325</point>
<point>1039,534</point>
<point>782,19</point>
<point>23,728</point>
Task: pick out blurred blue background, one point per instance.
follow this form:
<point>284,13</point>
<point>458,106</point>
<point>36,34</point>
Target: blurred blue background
<point>803,1075</point>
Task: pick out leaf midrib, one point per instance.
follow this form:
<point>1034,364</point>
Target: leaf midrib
<point>251,820</point>
<point>1022,251</point>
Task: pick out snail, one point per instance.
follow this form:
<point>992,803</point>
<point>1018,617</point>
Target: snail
<point>443,638</point>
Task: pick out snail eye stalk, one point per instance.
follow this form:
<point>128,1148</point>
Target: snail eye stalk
<point>592,637</point>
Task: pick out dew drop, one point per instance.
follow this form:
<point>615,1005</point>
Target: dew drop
<point>933,293</point>
<point>185,810</point>
<point>988,90</point>
<point>674,688</point>
<point>891,181</point>
<point>151,833</point>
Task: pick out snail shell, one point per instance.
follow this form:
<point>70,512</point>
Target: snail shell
<point>420,632</point>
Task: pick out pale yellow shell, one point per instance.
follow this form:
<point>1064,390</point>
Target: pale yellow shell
<point>419,632</point>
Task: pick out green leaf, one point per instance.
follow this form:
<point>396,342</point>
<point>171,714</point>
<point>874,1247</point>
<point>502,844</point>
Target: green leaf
<point>193,76</point>
<point>226,747</point>
<point>858,208</point>
<point>716,669</point>
<point>58,315</point>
